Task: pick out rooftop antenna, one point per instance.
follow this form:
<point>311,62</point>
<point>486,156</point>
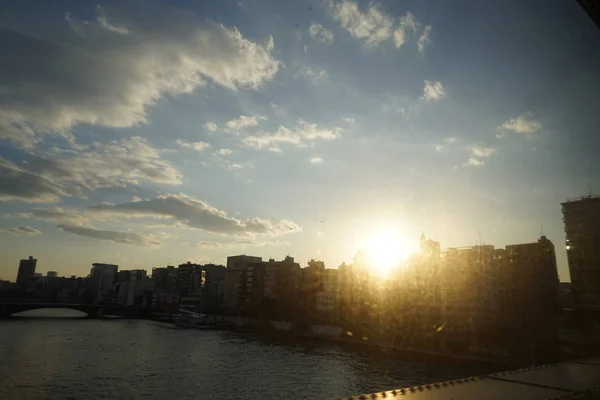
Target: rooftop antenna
<point>541,228</point>
<point>480,241</point>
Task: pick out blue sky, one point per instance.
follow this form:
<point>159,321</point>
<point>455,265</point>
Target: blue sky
<point>153,133</point>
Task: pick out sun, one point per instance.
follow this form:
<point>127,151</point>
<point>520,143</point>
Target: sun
<point>386,249</point>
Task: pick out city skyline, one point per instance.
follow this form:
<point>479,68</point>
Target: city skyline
<point>162,133</point>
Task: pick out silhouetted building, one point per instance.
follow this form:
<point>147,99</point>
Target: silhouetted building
<point>190,279</point>
<point>582,228</point>
<point>531,293</point>
<point>165,286</point>
<point>51,274</point>
<point>26,270</point>
<point>102,278</point>
<point>234,275</point>
<point>214,288</point>
<point>123,276</point>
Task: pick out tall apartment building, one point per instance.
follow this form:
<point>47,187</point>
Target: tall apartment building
<point>235,272</point>
<point>26,270</point>
<point>190,279</point>
<point>102,278</point>
<point>582,229</point>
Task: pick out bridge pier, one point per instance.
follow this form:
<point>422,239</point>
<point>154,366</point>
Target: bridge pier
<point>95,312</point>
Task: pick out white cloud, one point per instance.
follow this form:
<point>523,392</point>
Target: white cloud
<point>314,75</point>
<point>303,134</point>
<point>473,162</point>
<point>243,122</point>
<point>349,120</point>
<point>120,76</point>
<point>406,27</point>
<point>187,212</point>
<point>371,25</point>
<point>59,173</point>
<point>374,26</point>
<point>224,152</point>
<point>478,151</point>
<point>424,40</point>
<point>140,239</point>
<point>524,124</point>
<point>198,146</point>
<point>439,147</point>
<point>433,91</point>
<point>451,139</point>
<point>320,33</point>
<point>54,214</point>
<point>21,231</point>
<point>477,154</point>
<point>235,167</point>
<point>210,126</point>
<point>102,19</point>
<point>316,160</point>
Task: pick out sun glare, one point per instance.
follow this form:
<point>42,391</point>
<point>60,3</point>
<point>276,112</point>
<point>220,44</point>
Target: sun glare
<point>386,249</point>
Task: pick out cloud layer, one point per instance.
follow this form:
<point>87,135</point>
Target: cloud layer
<point>21,231</point>
<point>119,71</point>
<point>187,212</point>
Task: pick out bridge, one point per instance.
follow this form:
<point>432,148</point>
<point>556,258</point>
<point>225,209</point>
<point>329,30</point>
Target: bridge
<point>578,379</point>
<point>7,309</point>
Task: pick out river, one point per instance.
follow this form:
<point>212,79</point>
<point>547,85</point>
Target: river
<point>66,358</point>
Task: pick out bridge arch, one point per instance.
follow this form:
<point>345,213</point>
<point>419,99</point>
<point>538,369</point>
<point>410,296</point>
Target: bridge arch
<point>11,309</point>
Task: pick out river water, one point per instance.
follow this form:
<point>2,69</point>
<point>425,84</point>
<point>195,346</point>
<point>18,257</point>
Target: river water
<point>45,358</point>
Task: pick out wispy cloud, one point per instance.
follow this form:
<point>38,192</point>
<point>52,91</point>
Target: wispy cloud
<point>406,27</point>
<point>210,127</point>
<point>141,239</point>
<point>474,162</point>
<point>301,135</point>
<point>102,19</point>
<point>524,124</point>
<point>223,152</point>
<point>320,33</point>
<point>54,214</point>
<point>424,40</point>
<point>371,25</point>
<point>316,76</point>
<point>198,146</point>
<point>187,212</point>
<point>433,91</point>
<point>316,160</point>
<point>21,231</point>
<point>479,151</point>
<point>243,122</point>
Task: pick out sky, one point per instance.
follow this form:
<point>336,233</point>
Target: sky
<point>148,133</point>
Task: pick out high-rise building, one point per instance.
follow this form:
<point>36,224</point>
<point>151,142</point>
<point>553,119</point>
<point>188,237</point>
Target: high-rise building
<point>190,279</point>
<point>214,287</point>
<point>102,278</point>
<point>51,274</point>
<point>233,285</point>
<point>26,270</point>
<point>582,229</point>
